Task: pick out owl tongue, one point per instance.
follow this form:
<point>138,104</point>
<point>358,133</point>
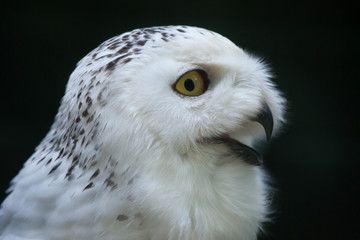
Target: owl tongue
<point>246,153</point>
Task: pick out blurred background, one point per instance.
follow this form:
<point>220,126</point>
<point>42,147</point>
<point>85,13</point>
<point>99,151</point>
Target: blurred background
<point>312,47</point>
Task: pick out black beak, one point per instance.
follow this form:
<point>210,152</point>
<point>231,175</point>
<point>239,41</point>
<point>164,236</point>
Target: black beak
<point>265,118</point>
<point>247,153</point>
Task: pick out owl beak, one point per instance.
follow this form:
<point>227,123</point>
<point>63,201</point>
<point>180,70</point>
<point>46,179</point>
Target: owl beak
<point>265,118</point>
<point>243,151</point>
<point>247,153</point>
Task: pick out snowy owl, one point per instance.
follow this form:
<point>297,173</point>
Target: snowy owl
<point>156,138</point>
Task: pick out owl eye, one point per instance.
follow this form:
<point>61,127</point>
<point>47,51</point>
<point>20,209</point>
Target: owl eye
<point>193,83</point>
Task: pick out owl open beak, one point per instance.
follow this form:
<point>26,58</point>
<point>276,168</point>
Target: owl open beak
<point>247,153</point>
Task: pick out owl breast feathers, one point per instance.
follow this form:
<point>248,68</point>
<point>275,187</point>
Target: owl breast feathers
<point>156,137</point>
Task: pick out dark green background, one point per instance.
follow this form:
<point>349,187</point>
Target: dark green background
<point>312,47</point>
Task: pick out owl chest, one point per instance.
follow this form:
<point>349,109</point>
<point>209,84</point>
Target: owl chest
<point>199,205</point>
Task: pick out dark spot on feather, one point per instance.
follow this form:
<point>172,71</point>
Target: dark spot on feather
<point>48,161</point>
<point>90,185</point>
<point>83,141</point>
<point>99,97</point>
<point>127,60</point>
<point>131,181</point>
<point>69,171</point>
<point>125,37</point>
<point>95,174</point>
<point>93,73</point>
<point>90,118</point>
<point>98,147</point>
<point>149,30</point>
<point>100,57</point>
<point>93,164</point>
<point>122,217</point>
<point>125,171</point>
<point>65,153</point>
<point>124,49</point>
<point>110,183</point>
<point>89,101</point>
<point>136,50</point>
<point>85,113</point>
<point>54,168</point>
<point>88,142</point>
<point>71,151</point>
<point>75,160</point>
<point>130,198</point>
<point>59,156</point>
<point>111,65</point>
<point>41,160</point>
<point>141,42</point>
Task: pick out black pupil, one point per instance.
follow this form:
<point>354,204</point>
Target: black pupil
<point>189,85</point>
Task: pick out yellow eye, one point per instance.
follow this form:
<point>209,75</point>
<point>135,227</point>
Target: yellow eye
<point>192,83</point>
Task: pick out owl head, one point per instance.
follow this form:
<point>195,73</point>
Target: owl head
<point>173,89</point>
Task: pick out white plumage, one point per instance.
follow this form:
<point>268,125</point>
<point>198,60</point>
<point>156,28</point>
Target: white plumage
<point>132,156</point>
